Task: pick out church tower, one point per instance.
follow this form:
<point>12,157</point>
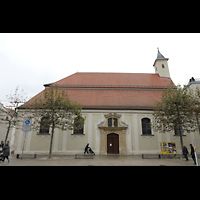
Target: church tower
<point>161,66</point>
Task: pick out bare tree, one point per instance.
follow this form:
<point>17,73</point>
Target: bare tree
<point>175,111</point>
<point>13,101</point>
<point>56,111</point>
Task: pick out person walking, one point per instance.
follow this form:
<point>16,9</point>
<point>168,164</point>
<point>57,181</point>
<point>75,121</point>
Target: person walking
<point>1,153</point>
<point>2,144</point>
<point>6,152</point>
<point>185,152</point>
<point>192,153</point>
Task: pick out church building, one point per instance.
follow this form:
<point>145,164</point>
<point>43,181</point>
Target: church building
<point>117,108</point>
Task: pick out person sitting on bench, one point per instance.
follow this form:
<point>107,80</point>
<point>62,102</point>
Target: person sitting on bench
<point>86,148</point>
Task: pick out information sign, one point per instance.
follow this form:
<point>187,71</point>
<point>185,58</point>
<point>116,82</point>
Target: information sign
<point>26,125</point>
<point>168,148</point>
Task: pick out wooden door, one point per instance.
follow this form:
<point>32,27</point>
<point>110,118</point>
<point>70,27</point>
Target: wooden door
<point>113,143</point>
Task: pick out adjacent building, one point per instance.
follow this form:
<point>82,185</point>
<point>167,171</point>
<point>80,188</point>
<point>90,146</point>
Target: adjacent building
<point>5,115</point>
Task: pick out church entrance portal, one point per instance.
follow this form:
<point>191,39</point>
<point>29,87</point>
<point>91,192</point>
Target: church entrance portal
<point>112,143</point>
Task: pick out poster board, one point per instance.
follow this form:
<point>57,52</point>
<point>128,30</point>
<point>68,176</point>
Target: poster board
<point>168,148</point>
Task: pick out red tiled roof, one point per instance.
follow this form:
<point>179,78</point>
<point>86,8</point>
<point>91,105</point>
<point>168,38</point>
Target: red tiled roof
<point>112,90</point>
<point>115,99</point>
<point>85,79</point>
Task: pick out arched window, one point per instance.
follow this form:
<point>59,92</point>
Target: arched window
<point>163,66</point>
<point>176,130</point>
<point>146,126</point>
<point>79,126</point>
<point>44,125</point>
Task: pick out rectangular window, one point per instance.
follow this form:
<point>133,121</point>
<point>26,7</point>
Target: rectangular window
<point>110,122</point>
<point>115,122</point>
<point>80,131</point>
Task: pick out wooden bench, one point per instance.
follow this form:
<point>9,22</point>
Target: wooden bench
<point>171,156</point>
<point>84,156</point>
<point>151,156</point>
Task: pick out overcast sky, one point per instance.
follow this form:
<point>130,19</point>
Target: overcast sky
<point>29,60</point>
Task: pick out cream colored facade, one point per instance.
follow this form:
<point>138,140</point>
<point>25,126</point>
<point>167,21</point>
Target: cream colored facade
<point>194,85</point>
<point>161,66</point>
<point>131,139</point>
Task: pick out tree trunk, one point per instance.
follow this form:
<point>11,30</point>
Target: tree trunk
<point>180,127</point>
<point>198,124</point>
<point>8,130</point>
<point>51,142</point>
<point>181,140</point>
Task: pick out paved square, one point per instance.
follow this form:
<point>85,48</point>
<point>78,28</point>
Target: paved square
<point>98,160</point>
